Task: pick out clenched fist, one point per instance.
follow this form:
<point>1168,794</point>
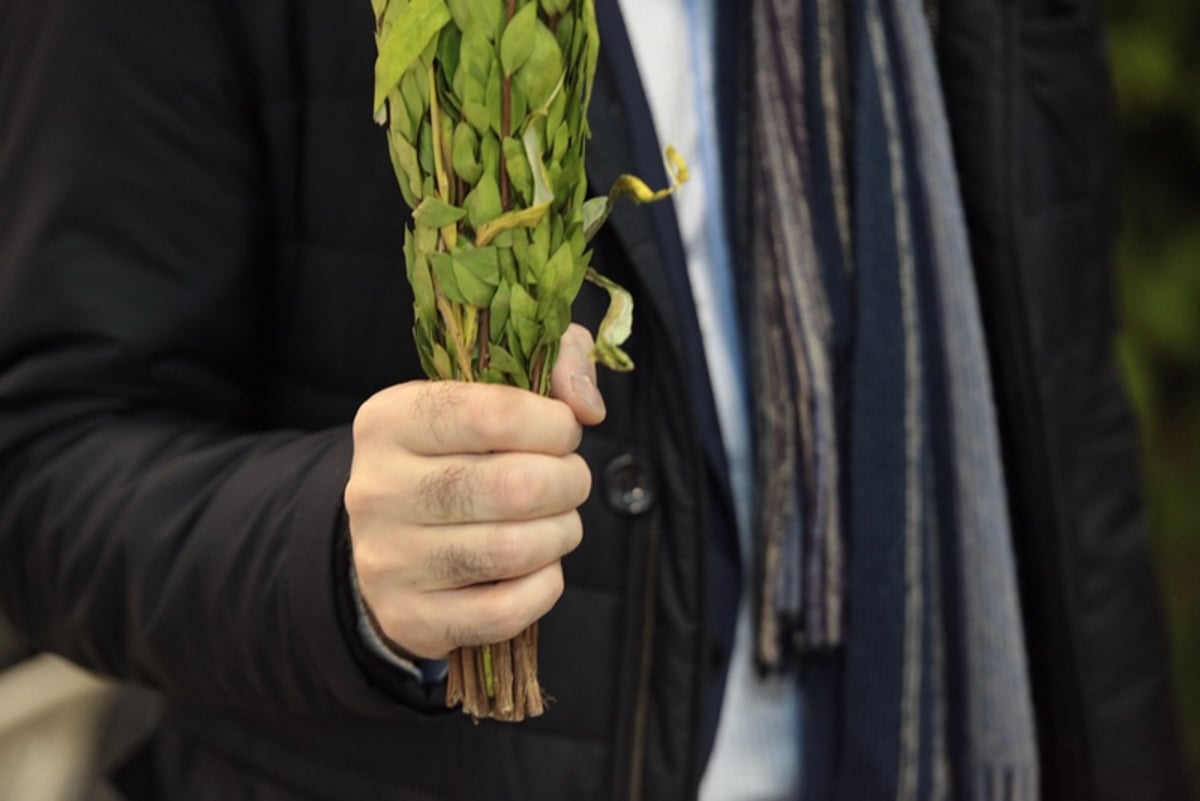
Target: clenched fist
<point>462,501</point>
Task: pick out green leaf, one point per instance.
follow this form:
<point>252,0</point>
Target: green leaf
<point>543,70</point>
<point>555,7</point>
<point>464,153</point>
<point>443,268</point>
<point>441,361</point>
<point>410,33</point>
<point>520,244</point>
<point>554,280</point>
<point>483,203</point>
<point>477,114</point>
<point>494,99</point>
<point>426,240</point>
<point>435,213</point>
<point>595,213</point>
<point>425,148</point>
<point>400,122</point>
<point>506,363</point>
<point>460,10</point>
<point>476,292</point>
<point>523,319</point>
<point>408,169</point>
<point>483,263</point>
<point>562,138</point>
<point>416,102</point>
<point>591,57</point>
<point>425,351</point>
<point>542,193</point>
<point>498,318</point>
<point>486,15</point>
<point>554,114</point>
<point>539,245</point>
<point>508,267</point>
<point>518,42</point>
<point>518,168</point>
<point>417,269</point>
<point>476,56</point>
<point>449,47</point>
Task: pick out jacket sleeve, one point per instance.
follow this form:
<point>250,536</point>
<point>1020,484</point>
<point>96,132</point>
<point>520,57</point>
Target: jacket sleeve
<point>148,528</point>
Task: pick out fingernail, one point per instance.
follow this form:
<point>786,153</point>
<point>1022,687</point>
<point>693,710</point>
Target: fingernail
<point>585,389</point>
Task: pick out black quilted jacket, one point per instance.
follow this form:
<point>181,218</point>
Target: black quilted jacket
<point>201,280</point>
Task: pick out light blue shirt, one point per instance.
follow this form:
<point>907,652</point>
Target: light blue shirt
<point>757,754</point>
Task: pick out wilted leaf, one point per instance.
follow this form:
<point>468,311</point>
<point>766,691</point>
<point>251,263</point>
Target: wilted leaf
<point>522,218</point>
<point>616,326</point>
<point>542,193</point>
<point>595,214</point>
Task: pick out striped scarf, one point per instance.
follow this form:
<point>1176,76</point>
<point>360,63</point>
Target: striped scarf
<point>884,528</point>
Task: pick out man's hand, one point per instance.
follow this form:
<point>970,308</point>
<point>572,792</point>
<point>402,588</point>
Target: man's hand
<point>462,501</point>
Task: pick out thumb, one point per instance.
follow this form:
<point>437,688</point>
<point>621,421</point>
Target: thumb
<point>573,380</point>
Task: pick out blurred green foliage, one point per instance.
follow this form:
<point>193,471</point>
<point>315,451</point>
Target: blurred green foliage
<point>1156,68</point>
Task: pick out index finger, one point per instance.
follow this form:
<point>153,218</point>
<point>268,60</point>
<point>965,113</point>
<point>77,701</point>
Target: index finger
<point>436,418</point>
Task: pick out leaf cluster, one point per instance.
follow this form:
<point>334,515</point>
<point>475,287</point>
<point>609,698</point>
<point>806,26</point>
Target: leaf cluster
<point>485,105</point>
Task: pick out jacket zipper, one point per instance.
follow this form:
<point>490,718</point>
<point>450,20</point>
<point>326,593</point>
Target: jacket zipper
<point>641,709</point>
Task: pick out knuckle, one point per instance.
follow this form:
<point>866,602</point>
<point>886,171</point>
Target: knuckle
<point>494,418</point>
<point>445,494</point>
<point>519,492</point>
<point>358,498</point>
<point>555,586</point>
<point>581,478</point>
<point>366,419</point>
<point>433,403</point>
<point>367,561</point>
<point>459,565</point>
<point>567,429</point>
<point>573,536</point>
<point>507,550</point>
<point>506,617</point>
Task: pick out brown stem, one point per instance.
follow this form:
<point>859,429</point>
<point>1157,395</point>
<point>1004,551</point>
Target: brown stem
<point>502,662</point>
<point>536,371</point>
<point>454,681</point>
<point>485,339</point>
<point>514,663</point>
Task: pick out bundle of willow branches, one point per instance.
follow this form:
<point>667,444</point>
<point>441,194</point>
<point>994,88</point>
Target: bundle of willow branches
<point>485,104</point>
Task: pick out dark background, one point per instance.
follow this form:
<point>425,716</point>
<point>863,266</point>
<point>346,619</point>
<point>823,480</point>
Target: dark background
<point>1155,49</point>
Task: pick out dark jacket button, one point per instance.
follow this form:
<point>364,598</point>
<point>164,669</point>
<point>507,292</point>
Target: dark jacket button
<point>629,485</point>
